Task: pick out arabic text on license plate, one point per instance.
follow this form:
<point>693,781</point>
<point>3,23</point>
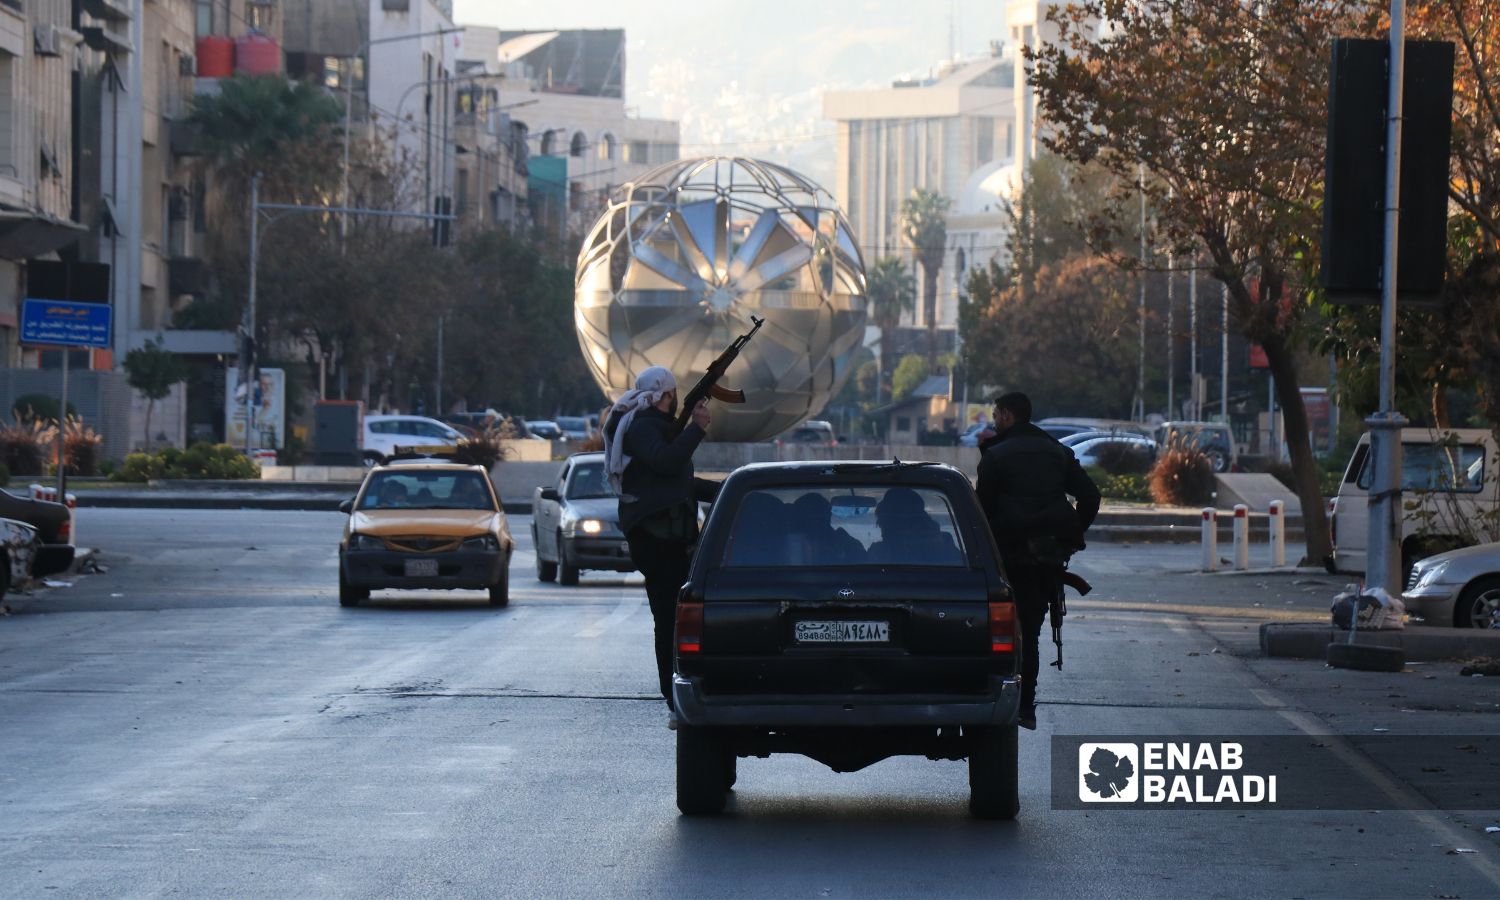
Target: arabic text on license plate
<point>421,568</point>
<point>843,632</point>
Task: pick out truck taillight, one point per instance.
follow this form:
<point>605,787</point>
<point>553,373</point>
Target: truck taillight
<point>689,628</point>
<point>1002,627</point>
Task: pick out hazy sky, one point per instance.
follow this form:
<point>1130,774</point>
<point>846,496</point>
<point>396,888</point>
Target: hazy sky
<point>747,78</point>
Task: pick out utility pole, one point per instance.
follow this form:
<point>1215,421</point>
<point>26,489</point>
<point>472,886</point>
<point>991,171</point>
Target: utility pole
<point>1138,412</point>
<point>1383,565</point>
<point>1194,391</point>
<point>1224,352</point>
<point>249,344</point>
<point>1171,340</point>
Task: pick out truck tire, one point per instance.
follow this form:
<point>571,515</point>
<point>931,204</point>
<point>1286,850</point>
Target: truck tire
<point>994,774</point>
<point>1366,657</point>
<point>701,771</point>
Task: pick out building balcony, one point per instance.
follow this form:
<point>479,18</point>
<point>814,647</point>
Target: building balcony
<point>187,275</point>
<point>112,10</point>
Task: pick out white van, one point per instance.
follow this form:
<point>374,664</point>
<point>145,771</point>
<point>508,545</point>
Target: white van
<point>1449,499</point>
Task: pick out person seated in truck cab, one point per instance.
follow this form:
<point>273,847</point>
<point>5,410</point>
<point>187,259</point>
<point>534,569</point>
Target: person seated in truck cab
<point>815,538</point>
<point>908,535</point>
<point>758,536</point>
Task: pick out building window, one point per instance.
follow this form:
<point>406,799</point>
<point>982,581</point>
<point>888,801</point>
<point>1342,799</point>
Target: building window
<point>579,144</point>
<point>606,148</point>
<point>1010,140</point>
<point>549,140</point>
<point>903,423</point>
<point>984,149</point>
<point>209,19</point>
<point>258,15</point>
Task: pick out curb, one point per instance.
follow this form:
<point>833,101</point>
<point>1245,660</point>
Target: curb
<point>1306,640</point>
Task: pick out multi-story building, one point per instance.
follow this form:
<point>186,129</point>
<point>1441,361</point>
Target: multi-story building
<point>489,147</point>
<point>967,132</point>
<point>567,88</point>
<point>395,62</point>
<point>949,133</point>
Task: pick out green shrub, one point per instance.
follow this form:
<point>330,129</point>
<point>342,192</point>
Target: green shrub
<point>34,407</point>
<point>1183,476</point>
<point>219,461</point>
<point>1130,488</point>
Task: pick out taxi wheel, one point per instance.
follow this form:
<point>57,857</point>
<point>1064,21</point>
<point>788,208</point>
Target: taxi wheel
<point>994,778</point>
<point>567,574</point>
<point>500,590</point>
<point>350,596</point>
<point>701,787</point>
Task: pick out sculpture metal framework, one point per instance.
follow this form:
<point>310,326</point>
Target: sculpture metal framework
<point>673,269</point>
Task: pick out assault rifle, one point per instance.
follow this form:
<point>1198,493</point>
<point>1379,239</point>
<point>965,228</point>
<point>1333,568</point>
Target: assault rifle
<point>708,385</point>
<point>1059,607</point>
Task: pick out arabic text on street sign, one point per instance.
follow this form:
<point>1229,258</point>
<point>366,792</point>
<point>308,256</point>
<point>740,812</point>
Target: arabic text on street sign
<point>66,323</point>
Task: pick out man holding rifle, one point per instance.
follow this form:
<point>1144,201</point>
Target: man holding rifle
<point>1025,479</point>
<point>648,457</point>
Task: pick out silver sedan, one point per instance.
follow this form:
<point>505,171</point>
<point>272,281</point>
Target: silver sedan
<point>1459,588</point>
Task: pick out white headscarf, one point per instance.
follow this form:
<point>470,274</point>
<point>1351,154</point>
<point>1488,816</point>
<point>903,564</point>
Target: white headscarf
<point>650,386</point>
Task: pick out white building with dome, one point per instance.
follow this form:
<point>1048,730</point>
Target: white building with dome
<point>966,131</point>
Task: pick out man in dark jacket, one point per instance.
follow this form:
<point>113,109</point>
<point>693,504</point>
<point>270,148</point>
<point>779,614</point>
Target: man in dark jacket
<point>651,468</point>
<point>1025,479</point>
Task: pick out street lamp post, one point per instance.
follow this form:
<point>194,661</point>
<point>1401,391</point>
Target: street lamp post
<point>287,209</point>
<point>349,106</point>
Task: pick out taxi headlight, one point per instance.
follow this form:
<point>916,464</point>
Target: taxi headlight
<point>1431,576</point>
<point>483,542</point>
<point>365,542</point>
<point>590,526</point>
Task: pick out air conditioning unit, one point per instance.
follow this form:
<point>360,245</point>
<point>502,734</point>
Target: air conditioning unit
<point>47,40</point>
<point>187,65</point>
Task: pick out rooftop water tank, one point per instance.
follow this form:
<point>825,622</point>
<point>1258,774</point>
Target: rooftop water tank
<point>256,54</point>
<point>215,56</point>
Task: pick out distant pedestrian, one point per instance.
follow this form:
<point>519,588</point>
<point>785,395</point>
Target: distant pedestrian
<point>652,472</point>
<point>1025,480</point>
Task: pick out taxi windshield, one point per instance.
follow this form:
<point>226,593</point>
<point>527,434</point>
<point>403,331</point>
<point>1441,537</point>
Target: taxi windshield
<point>876,525</point>
<point>427,490</point>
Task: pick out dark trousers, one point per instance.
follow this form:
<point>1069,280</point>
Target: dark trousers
<point>1033,587</point>
<point>665,565</point>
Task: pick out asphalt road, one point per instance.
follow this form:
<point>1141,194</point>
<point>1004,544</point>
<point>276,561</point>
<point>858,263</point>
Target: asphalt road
<point>204,719</point>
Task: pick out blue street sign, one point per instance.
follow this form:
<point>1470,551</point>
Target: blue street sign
<point>66,323</point>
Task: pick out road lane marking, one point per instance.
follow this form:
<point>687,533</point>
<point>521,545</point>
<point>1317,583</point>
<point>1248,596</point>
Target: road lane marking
<point>628,606</point>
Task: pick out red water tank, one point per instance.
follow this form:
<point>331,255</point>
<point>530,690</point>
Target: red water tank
<point>256,54</point>
<point>215,56</point>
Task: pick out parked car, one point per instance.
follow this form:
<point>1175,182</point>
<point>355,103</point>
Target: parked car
<point>471,424</point>
<point>1459,588</point>
<point>421,525</point>
<point>1062,426</point>
<point>1449,481</point>
<point>383,434</point>
<point>1098,451</point>
<point>545,429</point>
<point>575,428</point>
<point>813,431</point>
<point>848,612</point>
<point>1215,439</point>
<point>52,521</point>
<point>970,437</point>
<point>575,523</point>
<point>26,557</point>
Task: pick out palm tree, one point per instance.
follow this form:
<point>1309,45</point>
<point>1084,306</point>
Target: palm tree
<point>924,226</point>
<point>890,291</point>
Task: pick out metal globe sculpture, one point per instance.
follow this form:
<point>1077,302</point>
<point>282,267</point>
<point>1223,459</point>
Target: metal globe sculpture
<point>674,268</point>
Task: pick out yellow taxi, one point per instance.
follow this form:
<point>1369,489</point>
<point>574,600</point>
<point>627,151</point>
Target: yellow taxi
<point>421,524</point>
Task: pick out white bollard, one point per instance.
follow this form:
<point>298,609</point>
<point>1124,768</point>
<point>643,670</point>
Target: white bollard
<point>1278,533</point>
<point>1241,536</point>
<point>1210,539</point>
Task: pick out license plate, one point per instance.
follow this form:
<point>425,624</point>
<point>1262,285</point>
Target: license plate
<point>421,568</point>
<point>842,632</point>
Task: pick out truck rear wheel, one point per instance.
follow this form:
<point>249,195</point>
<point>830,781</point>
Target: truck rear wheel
<point>994,774</point>
<point>702,770</point>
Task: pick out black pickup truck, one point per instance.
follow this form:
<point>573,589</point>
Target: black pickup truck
<point>848,612</point>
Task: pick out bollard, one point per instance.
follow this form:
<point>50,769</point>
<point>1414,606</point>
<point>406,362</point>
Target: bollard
<point>1210,539</point>
<point>1241,536</point>
<point>1278,533</point>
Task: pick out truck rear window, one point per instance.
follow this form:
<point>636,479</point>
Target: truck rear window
<point>1438,466</point>
<point>877,525</point>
